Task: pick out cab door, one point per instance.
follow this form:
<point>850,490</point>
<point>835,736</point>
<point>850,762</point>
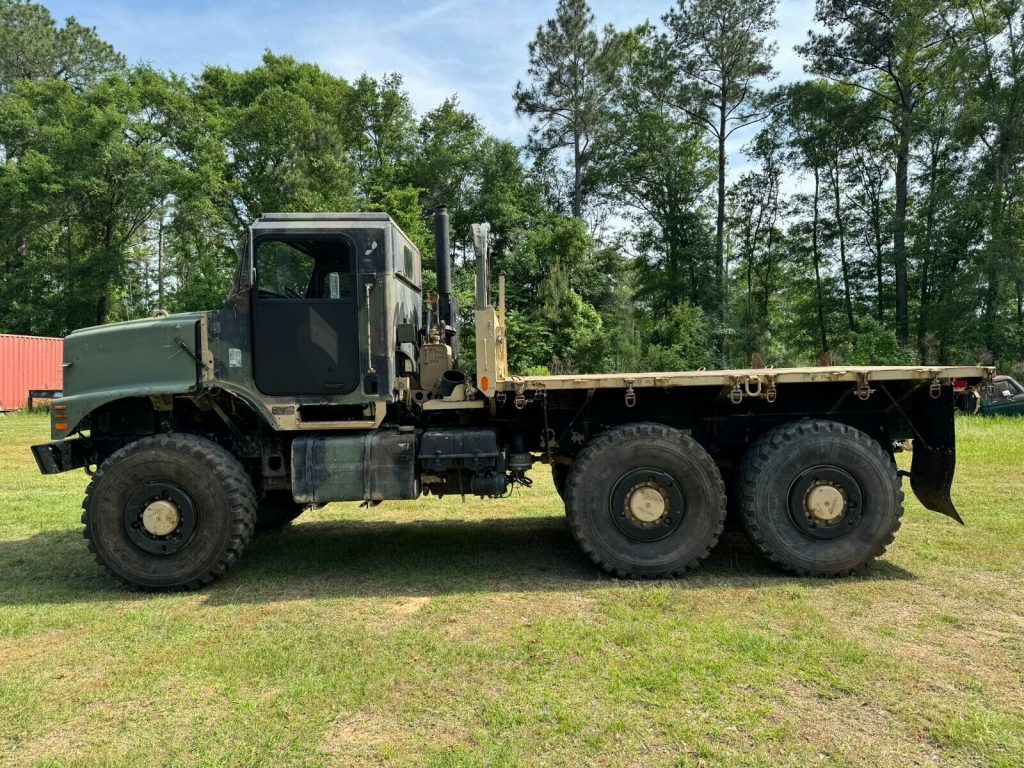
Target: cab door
<point>305,314</point>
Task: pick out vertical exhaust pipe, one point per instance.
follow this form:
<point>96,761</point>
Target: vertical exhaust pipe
<point>446,307</point>
<point>443,255</point>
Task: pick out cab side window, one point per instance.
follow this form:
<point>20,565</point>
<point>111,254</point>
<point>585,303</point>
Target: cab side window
<point>407,263</point>
<point>282,270</point>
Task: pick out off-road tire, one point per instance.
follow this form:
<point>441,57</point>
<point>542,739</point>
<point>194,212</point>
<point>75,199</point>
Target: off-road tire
<point>620,453</point>
<point>213,479</point>
<point>768,474</point>
<point>276,509</point>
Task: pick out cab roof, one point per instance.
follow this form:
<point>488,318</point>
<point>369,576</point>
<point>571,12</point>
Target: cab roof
<point>295,222</point>
<point>268,217</point>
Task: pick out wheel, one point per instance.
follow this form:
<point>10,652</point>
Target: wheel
<point>645,501</point>
<point>560,475</point>
<point>819,498</point>
<point>276,509</point>
<point>169,512</point>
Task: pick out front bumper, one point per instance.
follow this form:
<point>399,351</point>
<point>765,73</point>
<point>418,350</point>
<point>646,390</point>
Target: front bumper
<point>64,455</point>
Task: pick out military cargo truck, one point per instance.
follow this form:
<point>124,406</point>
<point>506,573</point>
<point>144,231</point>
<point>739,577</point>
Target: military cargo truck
<point>329,375</point>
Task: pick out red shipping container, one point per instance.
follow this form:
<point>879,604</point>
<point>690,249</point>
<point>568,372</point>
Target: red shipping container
<point>28,362</point>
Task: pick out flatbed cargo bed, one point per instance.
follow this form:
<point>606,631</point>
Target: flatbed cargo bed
<point>746,377</point>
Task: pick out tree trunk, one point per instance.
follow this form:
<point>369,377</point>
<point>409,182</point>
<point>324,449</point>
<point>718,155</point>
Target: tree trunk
<point>720,231</point>
<point>106,278</point>
<point>577,183</point>
<point>926,256</point>
<point>160,266</point>
<point>816,253</point>
<point>841,225</point>
<point>749,321</point>
<point>900,226</point>
<point>1020,317</point>
<point>992,297</point>
<point>768,283</point>
<point>879,265</point>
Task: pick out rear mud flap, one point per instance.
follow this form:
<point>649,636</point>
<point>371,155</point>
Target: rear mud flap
<point>931,478</point>
<point>934,463</point>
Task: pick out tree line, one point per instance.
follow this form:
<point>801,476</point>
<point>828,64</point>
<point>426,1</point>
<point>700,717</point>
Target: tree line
<point>873,212</point>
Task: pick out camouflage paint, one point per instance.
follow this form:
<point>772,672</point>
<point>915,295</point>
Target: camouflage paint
<point>155,356</point>
<point>393,298</point>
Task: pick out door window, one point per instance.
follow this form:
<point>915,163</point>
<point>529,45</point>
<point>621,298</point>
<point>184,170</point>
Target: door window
<point>294,270</point>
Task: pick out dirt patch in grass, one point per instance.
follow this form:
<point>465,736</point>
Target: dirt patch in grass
<point>853,730</point>
<point>18,652</point>
<point>373,738</point>
<point>411,605</point>
<point>63,743</point>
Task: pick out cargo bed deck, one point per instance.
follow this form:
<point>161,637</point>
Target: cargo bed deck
<point>746,377</point>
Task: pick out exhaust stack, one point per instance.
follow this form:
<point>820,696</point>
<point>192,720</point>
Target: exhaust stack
<point>443,255</point>
<point>447,309</point>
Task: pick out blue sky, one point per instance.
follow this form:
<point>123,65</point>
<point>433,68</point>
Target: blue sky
<point>472,48</point>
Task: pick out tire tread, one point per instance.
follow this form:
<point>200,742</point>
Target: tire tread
<point>761,453</point>
<point>608,440</point>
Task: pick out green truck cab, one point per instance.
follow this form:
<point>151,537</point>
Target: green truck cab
<point>329,375</point>
<point>1004,398</point>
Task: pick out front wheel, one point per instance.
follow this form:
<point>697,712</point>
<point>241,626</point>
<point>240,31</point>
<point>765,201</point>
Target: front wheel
<point>645,501</point>
<point>819,498</point>
<point>169,512</point>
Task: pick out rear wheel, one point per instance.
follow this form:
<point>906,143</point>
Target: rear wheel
<point>169,512</point>
<point>645,501</point>
<point>819,498</point>
<point>276,509</point>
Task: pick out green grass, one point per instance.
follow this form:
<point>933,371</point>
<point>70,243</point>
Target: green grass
<point>442,633</point>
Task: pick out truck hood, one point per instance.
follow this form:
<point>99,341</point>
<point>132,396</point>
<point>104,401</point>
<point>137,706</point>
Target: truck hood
<point>137,358</point>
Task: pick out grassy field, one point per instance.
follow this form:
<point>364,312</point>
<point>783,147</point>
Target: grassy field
<point>476,634</point>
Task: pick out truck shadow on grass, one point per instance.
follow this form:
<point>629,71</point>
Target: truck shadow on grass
<point>365,559</point>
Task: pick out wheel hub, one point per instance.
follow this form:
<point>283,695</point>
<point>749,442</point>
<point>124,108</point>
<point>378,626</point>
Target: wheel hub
<point>825,503</point>
<point>161,518</point>
<point>646,504</point>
